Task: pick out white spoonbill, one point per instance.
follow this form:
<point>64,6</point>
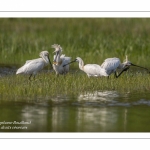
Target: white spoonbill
<point>32,67</point>
<point>112,64</point>
<point>60,60</point>
<point>92,70</point>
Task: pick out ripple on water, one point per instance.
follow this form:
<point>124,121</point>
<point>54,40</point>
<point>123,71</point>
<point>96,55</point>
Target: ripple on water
<point>99,96</point>
<point>142,102</point>
<point>108,98</point>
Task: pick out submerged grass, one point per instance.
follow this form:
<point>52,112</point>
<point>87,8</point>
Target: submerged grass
<point>92,39</point>
<point>48,85</point>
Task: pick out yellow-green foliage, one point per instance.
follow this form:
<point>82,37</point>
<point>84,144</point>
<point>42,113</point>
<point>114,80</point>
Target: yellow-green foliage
<point>48,85</point>
<point>92,39</point>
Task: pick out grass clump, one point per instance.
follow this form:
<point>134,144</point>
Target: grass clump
<point>48,85</point>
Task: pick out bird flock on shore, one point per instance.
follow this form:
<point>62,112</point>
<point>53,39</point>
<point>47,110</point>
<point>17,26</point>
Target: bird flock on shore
<point>61,65</point>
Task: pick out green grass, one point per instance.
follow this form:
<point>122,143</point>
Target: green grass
<point>92,39</point>
<point>48,85</point>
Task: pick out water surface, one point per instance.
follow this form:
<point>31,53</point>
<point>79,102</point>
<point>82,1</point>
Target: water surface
<point>99,111</point>
<point>106,111</point>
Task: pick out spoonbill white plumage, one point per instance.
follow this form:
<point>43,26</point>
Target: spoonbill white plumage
<point>92,70</point>
<point>112,64</point>
<point>60,60</point>
<point>32,67</point>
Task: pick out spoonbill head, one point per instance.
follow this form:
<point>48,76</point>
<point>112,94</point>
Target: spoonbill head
<point>126,65</point>
<point>60,60</point>
<point>32,67</point>
<point>93,70</point>
<point>57,51</point>
<point>112,64</point>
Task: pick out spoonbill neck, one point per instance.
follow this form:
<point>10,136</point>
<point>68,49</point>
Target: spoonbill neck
<point>57,57</point>
<point>57,60</point>
<point>121,66</point>
<point>81,64</point>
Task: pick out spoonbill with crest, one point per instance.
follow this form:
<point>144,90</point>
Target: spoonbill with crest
<point>60,61</point>
<point>112,64</point>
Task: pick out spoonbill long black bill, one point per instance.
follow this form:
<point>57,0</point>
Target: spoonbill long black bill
<point>93,70</point>
<point>112,64</point>
<point>32,67</point>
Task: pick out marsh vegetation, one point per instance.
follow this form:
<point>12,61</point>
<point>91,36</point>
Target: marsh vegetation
<point>93,39</point>
<point>75,102</point>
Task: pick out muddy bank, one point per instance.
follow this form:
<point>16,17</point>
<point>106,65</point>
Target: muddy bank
<point>7,70</point>
<point>10,70</point>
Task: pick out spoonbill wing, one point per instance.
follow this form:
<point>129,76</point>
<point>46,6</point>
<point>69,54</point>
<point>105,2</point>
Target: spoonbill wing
<point>110,64</point>
<point>94,70</point>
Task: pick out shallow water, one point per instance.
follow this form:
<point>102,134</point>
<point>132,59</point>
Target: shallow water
<point>99,111</point>
<point>106,111</point>
<point>7,70</point>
